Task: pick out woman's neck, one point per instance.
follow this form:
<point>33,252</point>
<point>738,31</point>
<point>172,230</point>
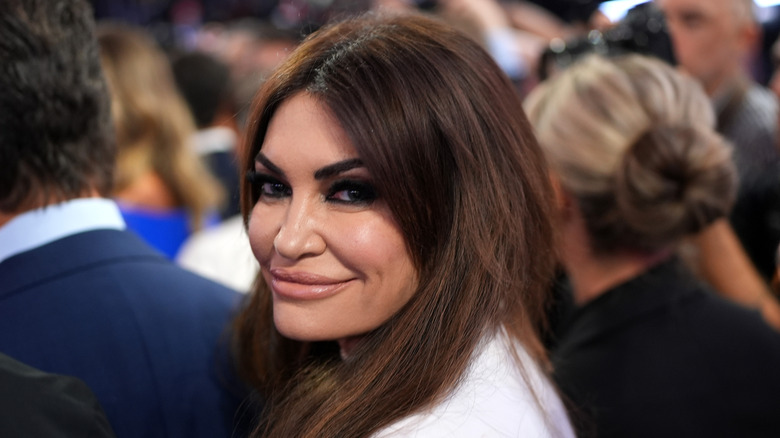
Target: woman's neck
<point>593,273</point>
<point>592,276</point>
<point>346,345</point>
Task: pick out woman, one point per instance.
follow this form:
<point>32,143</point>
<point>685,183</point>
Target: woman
<point>164,191</point>
<point>398,205</point>
<point>649,351</point>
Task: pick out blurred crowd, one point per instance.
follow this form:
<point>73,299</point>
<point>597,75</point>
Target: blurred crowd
<point>192,69</point>
<point>182,76</point>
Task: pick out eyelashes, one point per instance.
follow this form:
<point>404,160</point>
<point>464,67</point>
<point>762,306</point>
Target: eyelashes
<point>354,192</point>
<point>266,186</point>
<point>351,192</point>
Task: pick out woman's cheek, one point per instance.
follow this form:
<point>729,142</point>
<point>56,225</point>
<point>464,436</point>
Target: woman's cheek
<point>260,232</point>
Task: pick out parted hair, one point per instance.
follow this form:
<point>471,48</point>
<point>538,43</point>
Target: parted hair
<point>154,126</point>
<point>634,142</point>
<point>56,137</point>
<point>443,134</point>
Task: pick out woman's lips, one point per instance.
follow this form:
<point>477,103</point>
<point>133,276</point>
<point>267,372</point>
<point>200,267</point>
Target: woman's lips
<point>304,285</point>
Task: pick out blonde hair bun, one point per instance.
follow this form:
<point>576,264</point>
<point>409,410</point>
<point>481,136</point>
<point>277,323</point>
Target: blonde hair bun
<point>673,181</point>
<point>633,141</point>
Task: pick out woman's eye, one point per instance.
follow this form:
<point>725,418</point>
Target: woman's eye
<point>266,186</point>
<point>274,190</point>
<point>352,192</point>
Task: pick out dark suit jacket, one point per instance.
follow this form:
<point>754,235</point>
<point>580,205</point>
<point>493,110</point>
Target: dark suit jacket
<point>141,332</point>
<point>37,404</point>
<point>661,356</point>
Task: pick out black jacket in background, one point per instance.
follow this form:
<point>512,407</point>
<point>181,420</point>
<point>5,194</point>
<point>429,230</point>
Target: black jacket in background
<point>661,356</point>
<point>37,404</point>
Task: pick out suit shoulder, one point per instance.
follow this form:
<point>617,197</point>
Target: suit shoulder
<point>42,404</point>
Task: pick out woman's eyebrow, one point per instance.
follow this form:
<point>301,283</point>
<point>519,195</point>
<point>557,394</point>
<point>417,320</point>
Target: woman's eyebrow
<point>268,164</point>
<point>336,168</point>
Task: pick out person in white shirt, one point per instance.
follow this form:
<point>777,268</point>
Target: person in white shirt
<point>222,254</point>
<point>398,205</point>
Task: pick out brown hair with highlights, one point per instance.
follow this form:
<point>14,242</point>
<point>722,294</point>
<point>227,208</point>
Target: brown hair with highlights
<point>443,134</point>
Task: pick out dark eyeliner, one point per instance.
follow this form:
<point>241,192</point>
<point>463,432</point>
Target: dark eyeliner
<point>364,192</point>
<point>252,177</point>
<point>258,179</point>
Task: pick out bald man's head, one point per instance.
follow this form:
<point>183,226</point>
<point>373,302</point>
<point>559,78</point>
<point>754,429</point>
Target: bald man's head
<point>711,38</point>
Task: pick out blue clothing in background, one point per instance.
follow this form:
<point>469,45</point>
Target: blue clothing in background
<point>93,301</point>
<point>164,230</point>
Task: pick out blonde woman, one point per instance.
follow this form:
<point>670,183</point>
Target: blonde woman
<point>649,351</point>
<point>163,190</point>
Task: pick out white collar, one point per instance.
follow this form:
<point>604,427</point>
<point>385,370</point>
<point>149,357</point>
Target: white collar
<point>44,225</point>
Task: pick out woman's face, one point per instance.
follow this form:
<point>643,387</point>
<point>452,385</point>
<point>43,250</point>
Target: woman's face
<point>329,249</point>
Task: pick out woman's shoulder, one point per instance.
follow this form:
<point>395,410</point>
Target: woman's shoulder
<point>497,397</point>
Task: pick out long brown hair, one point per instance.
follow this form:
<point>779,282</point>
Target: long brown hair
<point>444,136</point>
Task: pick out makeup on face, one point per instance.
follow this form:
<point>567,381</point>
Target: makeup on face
<point>330,251</point>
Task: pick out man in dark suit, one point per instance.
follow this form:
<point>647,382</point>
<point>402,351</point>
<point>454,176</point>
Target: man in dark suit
<point>37,404</point>
<point>79,295</point>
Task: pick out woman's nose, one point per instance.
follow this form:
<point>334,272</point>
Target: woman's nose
<point>300,232</point>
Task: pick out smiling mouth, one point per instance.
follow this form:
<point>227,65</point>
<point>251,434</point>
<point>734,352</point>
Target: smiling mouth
<point>304,286</point>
